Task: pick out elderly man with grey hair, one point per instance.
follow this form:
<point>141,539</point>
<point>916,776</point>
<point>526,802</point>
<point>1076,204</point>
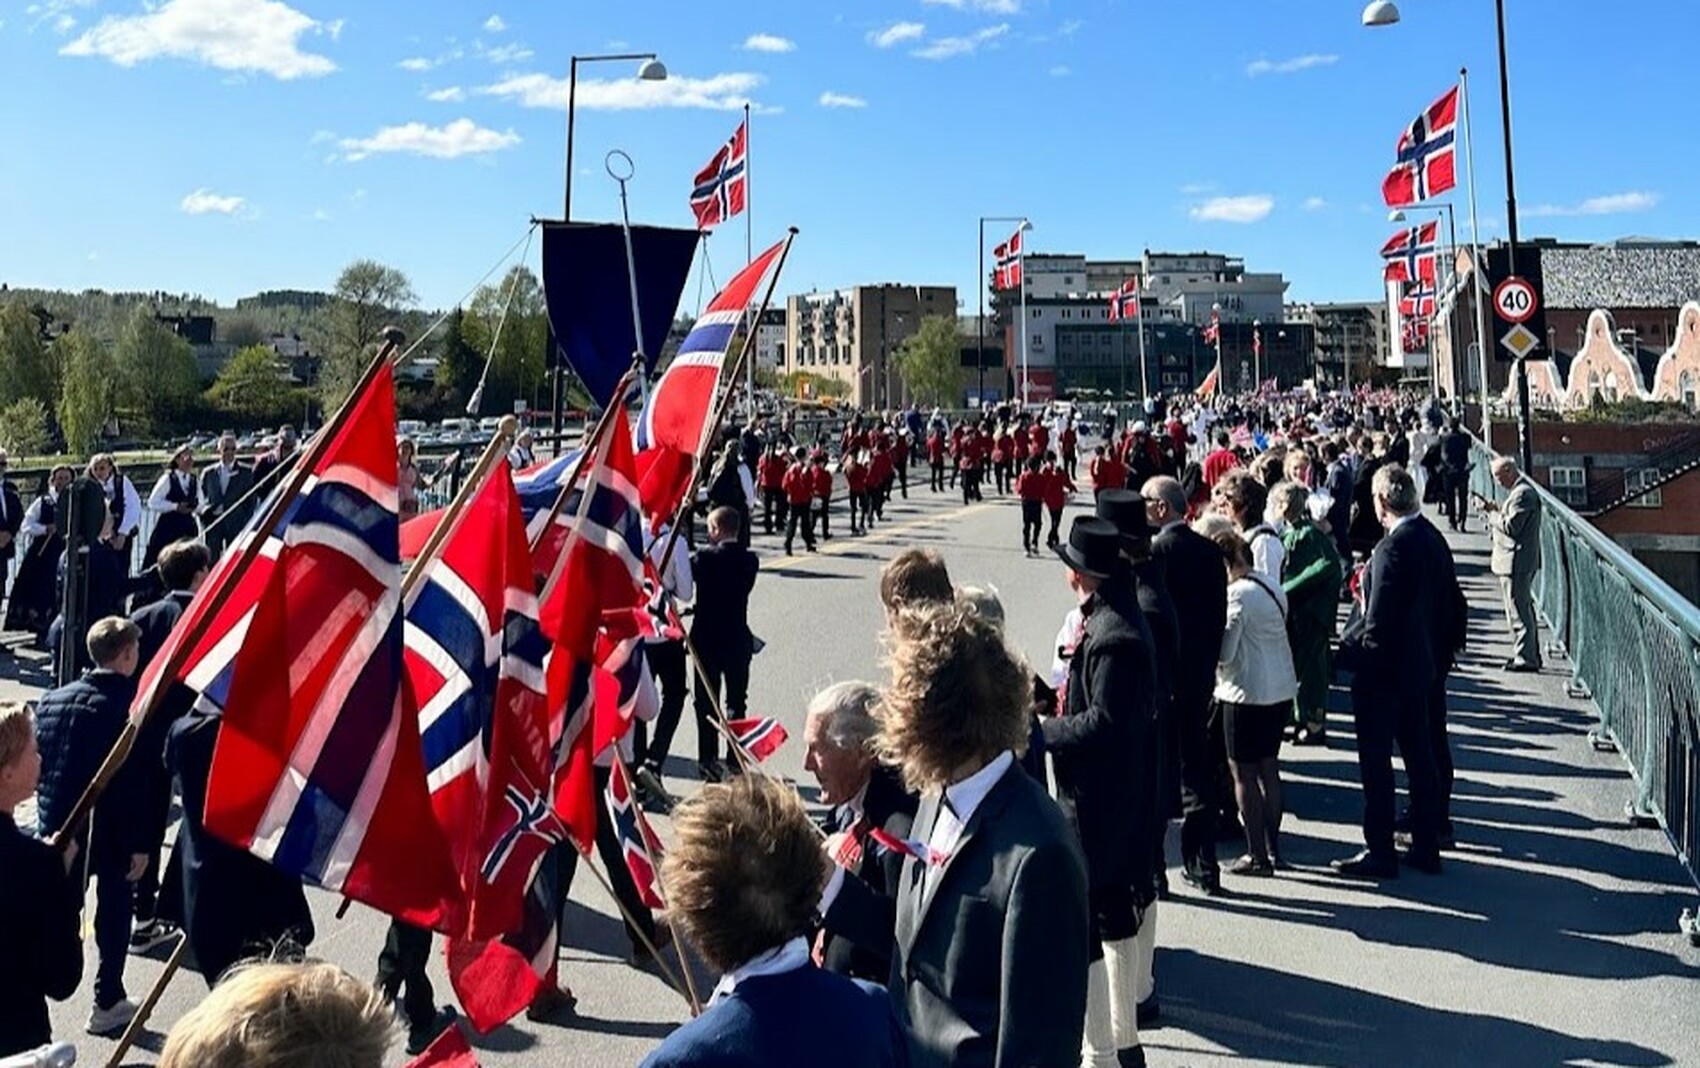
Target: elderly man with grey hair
<point>1515,527</point>
<point>858,928</point>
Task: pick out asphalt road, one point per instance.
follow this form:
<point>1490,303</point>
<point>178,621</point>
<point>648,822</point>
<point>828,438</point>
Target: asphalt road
<point>1549,939</point>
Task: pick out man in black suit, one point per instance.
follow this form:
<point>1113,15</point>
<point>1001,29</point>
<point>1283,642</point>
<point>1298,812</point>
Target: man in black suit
<point>725,572</point>
<point>224,486</point>
<point>857,932</point>
<point>1101,749</point>
<point>992,932</point>
<point>1396,648</point>
<point>11,518</point>
<point>1198,585</point>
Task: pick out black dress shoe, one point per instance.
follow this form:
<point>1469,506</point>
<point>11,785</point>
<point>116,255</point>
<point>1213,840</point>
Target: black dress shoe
<point>1367,865</point>
<point>1311,736</point>
<point>1427,863</point>
<point>1131,1058</point>
<point>1148,1012</point>
<point>1207,883</point>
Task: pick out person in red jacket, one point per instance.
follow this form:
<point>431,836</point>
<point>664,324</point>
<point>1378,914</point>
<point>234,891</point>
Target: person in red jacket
<point>1030,487</point>
<point>1057,488</point>
<point>1003,459</point>
<point>855,467</point>
<point>820,480</point>
<point>799,491</point>
<point>879,481</point>
<point>1068,443</point>
<point>1221,460</point>
<point>771,475</point>
<point>1106,471</point>
<point>957,434</point>
<point>935,458</point>
<point>854,439</point>
<point>1039,437</point>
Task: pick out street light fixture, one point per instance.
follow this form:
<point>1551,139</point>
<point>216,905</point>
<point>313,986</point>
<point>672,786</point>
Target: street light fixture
<point>1381,13</point>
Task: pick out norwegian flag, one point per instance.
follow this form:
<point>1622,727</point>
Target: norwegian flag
<point>1006,274</point>
<point>474,658</point>
<point>760,737</point>
<point>538,486</point>
<point>721,187</point>
<point>1411,254</point>
<point>1415,334</point>
<point>1418,302</point>
<point>319,769</point>
<point>909,847</point>
<point>448,1050</point>
<point>638,842</point>
<point>1257,341</point>
<point>675,419</point>
<point>1212,381</point>
<point>661,615</point>
<point>1124,302</point>
<point>1213,332</point>
<point>1428,155</point>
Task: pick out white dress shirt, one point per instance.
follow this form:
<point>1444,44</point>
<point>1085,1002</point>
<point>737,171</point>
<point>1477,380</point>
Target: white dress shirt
<point>776,961</point>
<point>32,526</point>
<point>1268,554</point>
<point>132,520</point>
<point>159,500</point>
<point>957,808</point>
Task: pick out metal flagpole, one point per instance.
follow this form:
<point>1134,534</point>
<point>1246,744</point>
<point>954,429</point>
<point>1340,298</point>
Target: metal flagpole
<point>631,266</point>
<point>1476,264</point>
<point>1139,324</point>
<point>1021,269</point>
<point>749,256</point>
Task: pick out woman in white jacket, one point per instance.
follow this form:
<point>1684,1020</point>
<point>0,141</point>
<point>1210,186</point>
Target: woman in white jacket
<point>1255,685</point>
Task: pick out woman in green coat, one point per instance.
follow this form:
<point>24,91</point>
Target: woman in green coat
<point>1311,574</point>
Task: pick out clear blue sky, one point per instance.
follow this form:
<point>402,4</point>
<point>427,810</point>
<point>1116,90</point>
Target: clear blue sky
<point>147,148</point>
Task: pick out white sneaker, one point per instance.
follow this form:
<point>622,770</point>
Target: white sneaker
<point>112,1019</point>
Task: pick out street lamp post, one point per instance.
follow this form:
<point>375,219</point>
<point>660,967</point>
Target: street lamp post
<point>980,286</point>
<point>650,69</point>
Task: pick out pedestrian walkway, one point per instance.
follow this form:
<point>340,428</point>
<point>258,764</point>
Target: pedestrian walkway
<point>1549,939</point>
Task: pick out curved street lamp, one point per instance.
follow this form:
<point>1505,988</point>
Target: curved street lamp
<point>1381,13</point>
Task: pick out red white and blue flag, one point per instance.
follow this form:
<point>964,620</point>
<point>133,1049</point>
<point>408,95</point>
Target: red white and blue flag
<point>1124,302</point>
<point>1418,302</point>
<point>319,768</point>
<point>1428,155</point>
<point>759,737</point>
<point>538,486</point>
<point>1213,332</point>
<point>1411,254</point>
<point>909,847</point>
<point>721,187</point>
<point>1007,257</point>
<point>1415,334</point>
<point>638,843</point>
<point>675,420</point>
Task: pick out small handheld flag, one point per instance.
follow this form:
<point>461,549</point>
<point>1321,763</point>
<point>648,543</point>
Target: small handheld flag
<point>760,737</point>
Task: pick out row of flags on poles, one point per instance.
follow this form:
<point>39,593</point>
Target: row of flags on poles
<point>1425,166</point>
<point>421,746</point>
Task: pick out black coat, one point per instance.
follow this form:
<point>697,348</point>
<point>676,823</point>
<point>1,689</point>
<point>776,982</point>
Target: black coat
<point>1158,608</point>
<point>1414,612</point>
<point>1365,531</point>
<point>76,725</point>
<point>861,924</point>
<point>234,904</point>
<point>38,938</point>
<point>1198,587</point>
<point>1102,746</point>
<point>725,575</point>
<point>11,520</point>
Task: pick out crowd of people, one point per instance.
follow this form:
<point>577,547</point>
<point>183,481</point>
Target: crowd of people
<point>983,886</point>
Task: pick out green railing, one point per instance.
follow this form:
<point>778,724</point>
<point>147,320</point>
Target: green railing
<point>1633,645</point>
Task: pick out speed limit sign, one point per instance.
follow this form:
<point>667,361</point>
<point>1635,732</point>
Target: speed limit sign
<point>1515,300</point>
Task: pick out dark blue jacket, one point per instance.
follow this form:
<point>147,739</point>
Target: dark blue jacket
<point>75,727</point>
<point>38,938</point>
<point>801,1017</point>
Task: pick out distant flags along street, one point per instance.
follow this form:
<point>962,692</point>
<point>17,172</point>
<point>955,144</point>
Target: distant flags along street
<point>1410,254</point>
<point>722,187</point>
<point>1427,153</point>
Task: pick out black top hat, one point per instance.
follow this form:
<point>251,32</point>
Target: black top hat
<point>1125,510</point>
<point>1094,547</point>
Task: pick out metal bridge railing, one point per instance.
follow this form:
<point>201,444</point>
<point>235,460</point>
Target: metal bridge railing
<point>1633,644</point>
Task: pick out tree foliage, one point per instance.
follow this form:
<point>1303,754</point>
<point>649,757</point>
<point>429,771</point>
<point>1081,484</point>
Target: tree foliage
<point>510,318</point>
<point>158,379</point>
<point>930,362</point>
<point>458,363</point>
<point>253,388</point>
<point>28,366</point>
<point>368,296</point>
<point>23,427</point>
<point>86,398</point>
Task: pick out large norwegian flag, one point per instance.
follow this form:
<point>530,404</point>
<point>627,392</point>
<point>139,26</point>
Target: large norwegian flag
<point>1428,155</point>
<point>722,186</point>
<point>671,430</point>
<point>318,768</point>
<point>1418,302</point>
<point>1411,254</point>
<point>638,842</point>
<point>593,606</point>
<point>474,659</point>
<point>1007,258</point>
<point>1124,302</point>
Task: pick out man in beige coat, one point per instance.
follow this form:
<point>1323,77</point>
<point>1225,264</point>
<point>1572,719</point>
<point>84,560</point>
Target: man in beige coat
<point>1516,529</point>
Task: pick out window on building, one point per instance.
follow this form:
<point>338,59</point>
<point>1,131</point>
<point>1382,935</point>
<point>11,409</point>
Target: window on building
<point>1569,484</point>
<point>1636,480</point>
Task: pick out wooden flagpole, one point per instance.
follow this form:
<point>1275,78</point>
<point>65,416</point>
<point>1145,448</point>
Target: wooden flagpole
<point>678,942</point>
<point>247,553</point>
<point>452,515</point>
<point>139,1022</point>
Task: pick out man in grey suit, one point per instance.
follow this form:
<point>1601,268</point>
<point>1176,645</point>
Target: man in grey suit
<point>1516,530</point>
<point>992,932</point>
<point>224,484</point>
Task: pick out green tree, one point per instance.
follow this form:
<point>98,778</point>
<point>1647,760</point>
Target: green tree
<point>86,399</point>
<point>158,379</point>
<point>367,297</point>
<point>510,317</point>
<point>252,387</point>
<point>458,363</point>
<point>28,367</point>
<point>930,362</point>
<point>23,427</point>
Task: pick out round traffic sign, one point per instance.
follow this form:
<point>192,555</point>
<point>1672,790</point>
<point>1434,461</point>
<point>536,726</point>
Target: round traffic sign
<point>1515,300</point>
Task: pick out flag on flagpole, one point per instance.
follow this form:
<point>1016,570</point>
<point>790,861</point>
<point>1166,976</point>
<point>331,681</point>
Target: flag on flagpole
<point>1411,254</point>
<point>721,188</point>
<point>1212,381</point>
<point>909,847</point>
<point>759,737</point>
<point>1427,155</point>
<point>1257,340</point>
<point>638,842</point>
<point>319,769</point>
<point>1213,332</point>
<point>1008,257</point>
<point>1417,302</point>
<point>1124,302</point>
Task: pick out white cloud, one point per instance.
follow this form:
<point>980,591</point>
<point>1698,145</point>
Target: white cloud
<point>451,95</point>
<point>416,64</point>
<point>990,7</point>
<point>1290,66</point>
<point>462,137</point>
<point>1243,209</point>
<point>841,100</point>
<point>494,24</point>
<point>207,202</point>
<point>1195,189</point>
<point>257,36</point>
<point>1609,204</point>
<point>1315,203</point>
<point>896,34</point>
<point>717,92</point>
<point>1070,27</point>
<point>1061,70</point>
<point>504,55</point>
<point>321,215</point>
<point>55,14</point>
<point>767,42</point>
<point>951,47</point>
